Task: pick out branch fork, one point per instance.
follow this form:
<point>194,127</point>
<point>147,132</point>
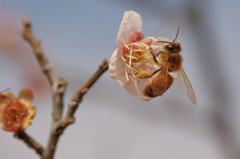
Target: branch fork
<point>58,86</point>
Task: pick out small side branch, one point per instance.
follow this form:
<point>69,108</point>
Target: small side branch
<point>72,107</point>
<point>30,142</point>
<point>35,44</point>
<point>77,98</point>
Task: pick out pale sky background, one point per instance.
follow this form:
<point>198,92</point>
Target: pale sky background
<point>111,124</point>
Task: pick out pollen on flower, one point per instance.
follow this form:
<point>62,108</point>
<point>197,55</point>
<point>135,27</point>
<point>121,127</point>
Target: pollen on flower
<point>137,56</point>
<point>142,74</point>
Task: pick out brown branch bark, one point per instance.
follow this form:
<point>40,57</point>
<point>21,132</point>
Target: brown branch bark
<point>77,98</point>
<point>58,89</point>
<point>30,142</point>
<point>35,44</point>
<point>58,85</point>
<point>72,107</point>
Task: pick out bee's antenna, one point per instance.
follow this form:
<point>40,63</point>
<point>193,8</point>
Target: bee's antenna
<point>163,41</point>
<point>176,34</point>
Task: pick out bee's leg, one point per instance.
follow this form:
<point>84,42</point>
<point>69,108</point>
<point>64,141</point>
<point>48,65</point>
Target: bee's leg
<point>144,74</point>
<point>160,52</point>
<point>156,71</point>
<point>154,57</point>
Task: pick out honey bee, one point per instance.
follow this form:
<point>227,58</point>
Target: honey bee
<point>170,60</point>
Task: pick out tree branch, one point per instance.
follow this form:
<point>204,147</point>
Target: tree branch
<point>72,107</point>
<point>58,90</point>
<point>30,142</point>
<point>58,85</point>
<point>35,44</point>
<point>77,98</point>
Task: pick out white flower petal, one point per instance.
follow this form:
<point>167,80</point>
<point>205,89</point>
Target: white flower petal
<point>131,21</point>
<point>137,92</point>
<point>117,69</point>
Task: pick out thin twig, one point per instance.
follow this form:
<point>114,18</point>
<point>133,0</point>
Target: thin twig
<point>35,44</point>
<point>77,98</point>
<point>72,107</point>
<point>30,142</point>
<point>58,85</point>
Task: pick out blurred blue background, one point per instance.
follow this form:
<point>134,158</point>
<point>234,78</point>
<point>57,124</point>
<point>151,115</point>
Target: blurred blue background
<point>110,124</point>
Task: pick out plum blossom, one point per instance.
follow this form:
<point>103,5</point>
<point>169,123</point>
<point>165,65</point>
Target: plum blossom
<point>16,113</point>
<point>132,55</point>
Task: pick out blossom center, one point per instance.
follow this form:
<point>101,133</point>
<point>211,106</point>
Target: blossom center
<point>14,116</point>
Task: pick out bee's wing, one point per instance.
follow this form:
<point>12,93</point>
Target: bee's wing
<point>185,86</point>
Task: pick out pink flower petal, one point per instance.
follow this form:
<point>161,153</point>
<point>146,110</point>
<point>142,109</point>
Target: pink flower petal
<point>131,21</point>
<point>117,69</point>
<point>135,36</point>
<point>130,88</point>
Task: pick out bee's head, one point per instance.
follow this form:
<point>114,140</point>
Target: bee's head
<point>171,47</point>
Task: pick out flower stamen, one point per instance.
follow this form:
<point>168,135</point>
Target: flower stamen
<point>126,73</point>
<point>136,86</point>
<point>123,59</point>
<point>130,56</point>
